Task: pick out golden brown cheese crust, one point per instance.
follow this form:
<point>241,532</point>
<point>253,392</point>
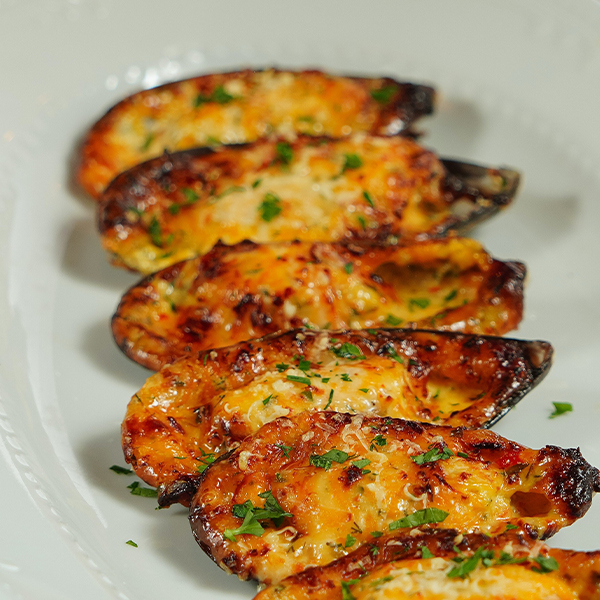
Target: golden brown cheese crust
<point>491,483</point>
<point>379,565</point>
<point>200,406</point>
<point>240,107</point>
<point>180,205</point>
<point>247,291</point>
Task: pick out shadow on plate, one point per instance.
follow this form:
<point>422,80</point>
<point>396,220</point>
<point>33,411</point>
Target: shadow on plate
<point>175,543</point>
<point>85,259</point>
<point>99,346</point>
<point>454,129</point>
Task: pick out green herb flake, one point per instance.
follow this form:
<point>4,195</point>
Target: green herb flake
<point>415,303</point>
<point>221,96</point>
<point>206,461</point>
<point>324,461</point>
<point>147,142</point>
<point>560,408</point>
<point>419,517</point>
<point>131,543</point>
<point>348,268</point>
<point>329,400</point>
<point>256,183</point>
<point>155,232</point>
<point>546,564</point>
<point>361,464</point>
<point>346,593</point>
<point>510,526</point>
<point>297,379</point>
<point>508,559</point>
<point>308,395</point>
<point>368,198</point>
<point>350,541</point>
<point>378,440</point>
<point>190,195</point>
<point>250,526</point>
<point>232,189</point>
<point>451,296</point>
<point>383,95</point>
<point>281,367</point>
<point>174,209</point>
<point>284,151</point>
<point>462,454</point>
<point>138,490</point>
<point>433,455</point>
<point>466,566</point>
<point>352,161</point>
<point>270,207</point>
<point>267,399</point>
<point>393,354</point>
<point>376,534</point>
<point>393,321</point>
<point>362,221</point>
<point>426,552</point>
<point>345,377</point>
<point>285,449</point>
<point>121,470</point>
<point>349,351</point>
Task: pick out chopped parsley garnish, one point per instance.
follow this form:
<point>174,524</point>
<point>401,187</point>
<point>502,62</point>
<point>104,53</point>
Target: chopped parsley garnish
<point>298,379</point>
<point>138,490</point>
<point>308,395</point>
<point>462,454</point>
<point>508,559</point>
<point>303,364</point>
<point>267,399</point>
<point>470,564</point>
<point>284,151</point>
<point>270,207</point>
<point>426,553</point>
<point>360,464</point>
<point>451,296</point>
<point>155,231</point>
<point>256,183</point>
<point>393,354</point>
<point>190,195</point>
<point>348,268</point>
<point>350,541</point>
<point>147,142</point>
<point>383,95</point>
<point>174,209</point>
<point>346,593</point>
<point>349,351</point>
<point>393,321</point>
<point>230,190</point>
<point>364,390</point>
<point>414,303</point>
<point>376,534</point>
<point>560,408</point>
<point>345,377</point>
<point>121,470</point>
<point>546,564</point>
<point>432,455</point>
<point>131,543</point>
<point>419,517</point>
<point>362,221</point>
<point>285,449</point>
<point>378,440</point>
<point>368,198</point>
<point>253,514</point>
<point>352,161</point>
<point>510,526</point>
<point>219,95</point>
<point>205,461</point>
<point>329,399</point>
<point>324,461</point>
<point>281,367</point>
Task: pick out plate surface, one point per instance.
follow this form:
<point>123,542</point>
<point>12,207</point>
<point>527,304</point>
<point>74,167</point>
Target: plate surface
<point>519,84</point>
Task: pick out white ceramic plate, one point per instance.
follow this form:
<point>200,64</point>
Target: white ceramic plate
<point>520,85</point>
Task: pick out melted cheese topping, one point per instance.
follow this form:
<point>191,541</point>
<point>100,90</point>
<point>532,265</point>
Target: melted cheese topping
<point>396,192</point>
<point>438,284</point>
<point>239,107</point>
<point>428,580</point>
